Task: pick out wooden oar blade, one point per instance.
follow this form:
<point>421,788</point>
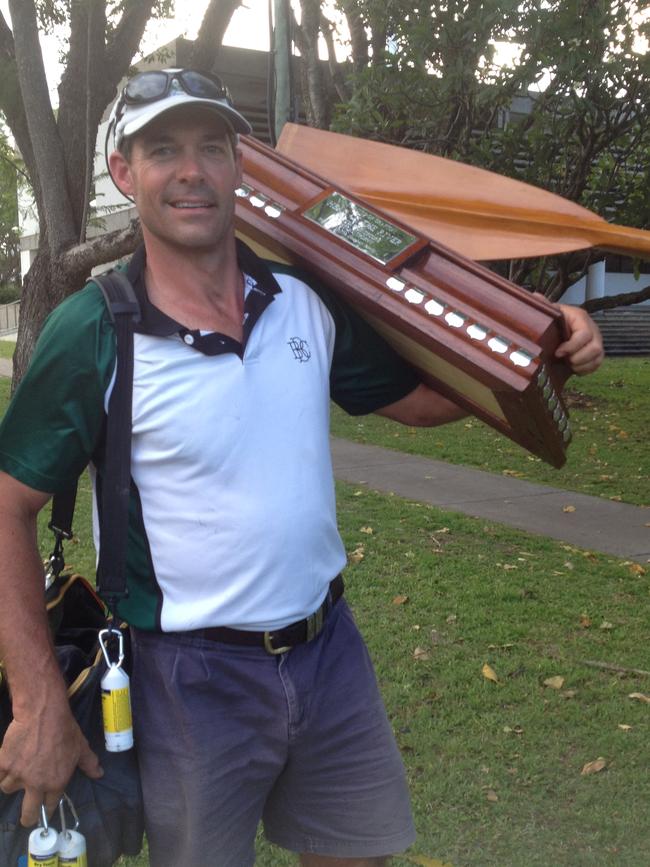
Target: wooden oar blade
<point>483,215</point>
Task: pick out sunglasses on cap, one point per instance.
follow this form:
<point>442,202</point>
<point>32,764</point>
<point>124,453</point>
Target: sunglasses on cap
<point>151,86</point>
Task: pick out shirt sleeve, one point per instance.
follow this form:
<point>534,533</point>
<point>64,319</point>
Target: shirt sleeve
<point>55,420</point>
<point>366,374</point>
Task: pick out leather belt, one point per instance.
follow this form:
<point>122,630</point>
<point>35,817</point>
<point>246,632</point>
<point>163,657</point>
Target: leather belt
<point>280,640</point>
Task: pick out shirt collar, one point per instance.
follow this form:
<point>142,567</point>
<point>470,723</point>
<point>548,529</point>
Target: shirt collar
<point>157,324</point>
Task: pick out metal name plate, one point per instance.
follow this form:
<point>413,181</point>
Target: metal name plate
<point>373,235</point>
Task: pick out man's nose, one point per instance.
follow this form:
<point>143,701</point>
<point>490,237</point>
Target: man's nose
<point>190,166</point>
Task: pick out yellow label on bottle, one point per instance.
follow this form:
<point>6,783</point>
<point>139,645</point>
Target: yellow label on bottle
<point>116,710</point>
<point>43,860</point>
<point>73,861</point>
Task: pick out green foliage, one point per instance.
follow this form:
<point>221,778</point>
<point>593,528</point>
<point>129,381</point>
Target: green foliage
<point>568,114</point>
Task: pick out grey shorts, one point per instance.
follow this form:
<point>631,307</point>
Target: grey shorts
<point>229,736</point>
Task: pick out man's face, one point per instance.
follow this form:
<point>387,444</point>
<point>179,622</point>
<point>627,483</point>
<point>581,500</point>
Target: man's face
<point>182,173</point>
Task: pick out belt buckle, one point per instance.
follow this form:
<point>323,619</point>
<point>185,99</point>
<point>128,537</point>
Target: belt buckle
<point>315,623</point>
<point>274,651</point>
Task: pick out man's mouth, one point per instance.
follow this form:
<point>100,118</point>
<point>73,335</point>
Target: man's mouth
<point>190,205</point>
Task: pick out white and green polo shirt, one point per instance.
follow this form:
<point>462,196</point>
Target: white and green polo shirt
<point>232,513</point>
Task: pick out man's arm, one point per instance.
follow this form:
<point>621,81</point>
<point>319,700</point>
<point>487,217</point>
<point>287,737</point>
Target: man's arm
<point>583,350</point>
<point>43,745</point>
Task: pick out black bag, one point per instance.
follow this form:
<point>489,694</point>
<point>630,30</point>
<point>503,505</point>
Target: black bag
<point>110,809</point>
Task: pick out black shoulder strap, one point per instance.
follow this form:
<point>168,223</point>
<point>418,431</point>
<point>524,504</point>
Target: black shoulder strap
<point>116,478</point>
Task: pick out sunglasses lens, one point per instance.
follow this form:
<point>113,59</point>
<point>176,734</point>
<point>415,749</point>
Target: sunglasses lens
<point>202,86</point>
<point>146,87</point>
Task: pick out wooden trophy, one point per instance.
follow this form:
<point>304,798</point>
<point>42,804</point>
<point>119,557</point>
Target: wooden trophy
<point>478,339</point>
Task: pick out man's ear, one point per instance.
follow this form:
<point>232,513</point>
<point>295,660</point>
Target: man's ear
<point>121,173</point>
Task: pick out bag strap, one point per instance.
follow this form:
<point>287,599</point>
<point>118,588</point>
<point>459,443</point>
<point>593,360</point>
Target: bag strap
<point>124,309</point>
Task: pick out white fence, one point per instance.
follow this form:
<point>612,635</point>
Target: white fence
<point>9,316</point>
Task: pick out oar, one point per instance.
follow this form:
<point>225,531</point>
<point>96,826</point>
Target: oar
<point>479,213</point>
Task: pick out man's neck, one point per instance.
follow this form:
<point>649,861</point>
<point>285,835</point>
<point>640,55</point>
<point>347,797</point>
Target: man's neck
<point>199,289</point>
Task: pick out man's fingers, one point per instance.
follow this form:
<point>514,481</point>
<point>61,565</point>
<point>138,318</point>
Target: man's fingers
<point>89,763</point>
<point>31,812</point>
<point>9,784</point>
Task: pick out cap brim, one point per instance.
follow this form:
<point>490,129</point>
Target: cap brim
<point>137,117</point>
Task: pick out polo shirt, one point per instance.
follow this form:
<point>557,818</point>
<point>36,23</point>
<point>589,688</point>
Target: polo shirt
<point>232,516</point>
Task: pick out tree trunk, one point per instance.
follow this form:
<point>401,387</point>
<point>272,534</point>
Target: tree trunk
<point>45,286</point>
<point>52,278</point>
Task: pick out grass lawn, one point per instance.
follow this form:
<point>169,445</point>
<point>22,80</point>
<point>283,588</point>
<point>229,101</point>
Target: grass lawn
<point>496,768</point>
<point>484,640</point>
<point>609,456</point>
<point>7,348</point>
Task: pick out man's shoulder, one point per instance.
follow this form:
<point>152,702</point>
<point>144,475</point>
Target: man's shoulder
<point>81,308</point>
<point>80,327</point>
<point>299,279</point>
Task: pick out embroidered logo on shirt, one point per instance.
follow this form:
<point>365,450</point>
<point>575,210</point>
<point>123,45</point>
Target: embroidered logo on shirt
<point>300,349</point>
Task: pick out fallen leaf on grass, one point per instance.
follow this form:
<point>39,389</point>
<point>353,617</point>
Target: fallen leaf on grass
<point>594,767</point>
<point>489,673</point>
<point>606,625</point>
<point>367,530</point>
<point>568,508</point>
<point>492,796</point>
<point>400,600</point>
<point>636,569</point>
<point>569,693</point>
<point>585,621</point>
<point>556,682</point>
<point>515,730</point>
<point>639,696</point>
<point>424,861</point>
<point>421,654</point>
<point>514,473</point>
<point>357,555</point>
<point>624,728</point>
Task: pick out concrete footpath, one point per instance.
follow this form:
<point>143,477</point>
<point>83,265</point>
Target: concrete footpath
<point>597,524</point>
<point>592,522</point>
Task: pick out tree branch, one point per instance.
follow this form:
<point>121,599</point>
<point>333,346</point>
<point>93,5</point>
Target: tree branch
<point>213,27</point>
<point>619,669</point>
<point>81,258</point>
<point>358,35</point>
<point>338,81</point>
<point>123,44</point>
<point>48,152</point>
<point>310,26</point>
<point>623,299</point>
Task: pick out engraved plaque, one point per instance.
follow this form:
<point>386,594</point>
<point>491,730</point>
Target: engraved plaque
<point>373,235</point>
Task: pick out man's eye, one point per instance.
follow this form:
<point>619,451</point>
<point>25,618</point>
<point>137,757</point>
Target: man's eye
<point>162,151</point>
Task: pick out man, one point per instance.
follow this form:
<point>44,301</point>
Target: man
<point>253,694</point>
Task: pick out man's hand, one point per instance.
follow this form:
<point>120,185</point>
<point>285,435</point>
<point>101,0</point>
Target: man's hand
<point>584,348</point>
<point>39,754</point>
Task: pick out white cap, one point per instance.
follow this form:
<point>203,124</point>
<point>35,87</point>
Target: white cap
<point>127,119</point>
